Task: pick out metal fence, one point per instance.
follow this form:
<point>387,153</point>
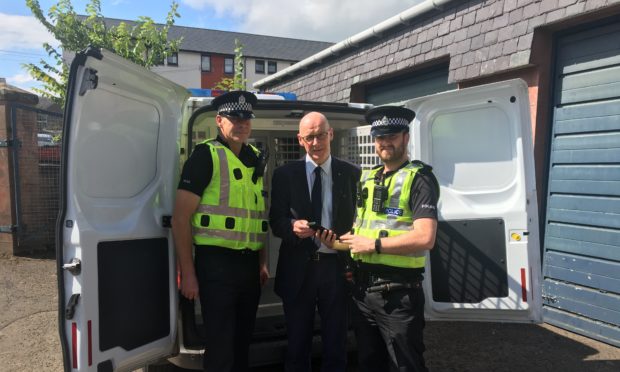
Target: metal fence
<point>36,149</point>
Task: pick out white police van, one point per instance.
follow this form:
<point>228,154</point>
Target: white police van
<point>126,132</point>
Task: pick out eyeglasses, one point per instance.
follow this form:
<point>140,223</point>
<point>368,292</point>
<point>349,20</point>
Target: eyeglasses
<point>319,136</point>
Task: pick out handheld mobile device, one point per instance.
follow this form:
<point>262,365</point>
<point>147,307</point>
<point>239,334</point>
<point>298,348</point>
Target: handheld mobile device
<point>314,226</point>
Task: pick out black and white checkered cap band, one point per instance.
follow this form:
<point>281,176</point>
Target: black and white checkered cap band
<point>235,106</point>
<point>385,121</point>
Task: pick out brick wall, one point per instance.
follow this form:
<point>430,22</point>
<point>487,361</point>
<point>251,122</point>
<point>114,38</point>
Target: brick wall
<point>480,38</point>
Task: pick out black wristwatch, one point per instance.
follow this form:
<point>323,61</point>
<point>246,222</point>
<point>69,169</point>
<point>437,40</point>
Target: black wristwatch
<point>378,245</point>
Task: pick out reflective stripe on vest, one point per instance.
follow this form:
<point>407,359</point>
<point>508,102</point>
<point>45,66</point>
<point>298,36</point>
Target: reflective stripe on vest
<point>397,220</point>
<point>232,211</point>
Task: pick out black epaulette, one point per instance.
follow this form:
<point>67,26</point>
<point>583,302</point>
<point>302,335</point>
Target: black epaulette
<point>427,170</point>
<point>424,168</point>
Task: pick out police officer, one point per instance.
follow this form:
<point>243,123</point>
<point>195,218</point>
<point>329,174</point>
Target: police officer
<point>395,225</point>
<point>220,210</point>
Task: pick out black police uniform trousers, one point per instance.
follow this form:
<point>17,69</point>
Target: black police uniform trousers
<point>388,319</point>
<point>229,286</point>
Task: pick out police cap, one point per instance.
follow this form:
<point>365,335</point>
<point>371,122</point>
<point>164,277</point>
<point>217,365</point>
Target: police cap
<point>237,104</point>
<point>389,119</point>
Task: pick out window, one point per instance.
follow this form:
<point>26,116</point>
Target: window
<point>272,67</point>
<point>173,59</point>
<point>260,66</point>
<point>229,65</point>
<point>205,63</point>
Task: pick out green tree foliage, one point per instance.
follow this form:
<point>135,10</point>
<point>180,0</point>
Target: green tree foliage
<point>237,82</point>
<point>142,41</point>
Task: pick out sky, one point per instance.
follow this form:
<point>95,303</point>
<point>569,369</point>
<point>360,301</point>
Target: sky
<point>22,36</point>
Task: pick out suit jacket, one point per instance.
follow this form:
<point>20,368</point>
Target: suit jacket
<point>290,199</point>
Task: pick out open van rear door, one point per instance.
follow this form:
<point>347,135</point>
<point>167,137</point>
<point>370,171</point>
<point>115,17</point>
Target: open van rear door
<point>486,261</point>
<point>116,270</point>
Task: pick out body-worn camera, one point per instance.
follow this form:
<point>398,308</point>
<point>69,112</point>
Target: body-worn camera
<point>362,194</point>
<point>379,196</point>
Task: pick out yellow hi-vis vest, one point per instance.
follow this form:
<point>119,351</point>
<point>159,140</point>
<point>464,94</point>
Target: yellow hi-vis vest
<point>232,211</point>
<point>395,220</point>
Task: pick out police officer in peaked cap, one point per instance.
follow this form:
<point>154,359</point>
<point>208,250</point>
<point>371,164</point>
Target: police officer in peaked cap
<point>395,225</point>
<point>221,185</point>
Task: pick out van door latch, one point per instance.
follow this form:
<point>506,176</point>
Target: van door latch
<point>70,310</point>
<point>74,267</point>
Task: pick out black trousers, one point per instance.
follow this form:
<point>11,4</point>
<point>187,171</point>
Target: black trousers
<point>229,288</point>
<point>389,329</point>
<point>324,288</point>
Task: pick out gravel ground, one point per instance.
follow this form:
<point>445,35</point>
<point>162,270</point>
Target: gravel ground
<point>29,335</point>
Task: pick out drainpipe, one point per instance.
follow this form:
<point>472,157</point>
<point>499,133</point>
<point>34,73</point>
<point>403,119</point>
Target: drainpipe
<point>404,17</point>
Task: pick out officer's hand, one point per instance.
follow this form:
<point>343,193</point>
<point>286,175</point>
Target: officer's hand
<point>264,274</point>
<point>327,237</point>
<point>301,229</point>
<point>359,244</point>
<point>189,286</point>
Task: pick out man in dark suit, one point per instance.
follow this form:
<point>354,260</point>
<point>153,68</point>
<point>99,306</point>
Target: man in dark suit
<point>318,190</point>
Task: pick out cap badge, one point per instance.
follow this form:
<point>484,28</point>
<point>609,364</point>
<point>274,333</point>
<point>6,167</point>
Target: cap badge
<point>241,99</point>
<point>384,121</point>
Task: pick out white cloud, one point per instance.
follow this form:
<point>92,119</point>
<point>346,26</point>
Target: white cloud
<point>20,79</point>
<point>22,32</point>
<point>325,20</point>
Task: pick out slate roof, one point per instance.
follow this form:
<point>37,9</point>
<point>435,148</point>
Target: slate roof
<point>256,46</point>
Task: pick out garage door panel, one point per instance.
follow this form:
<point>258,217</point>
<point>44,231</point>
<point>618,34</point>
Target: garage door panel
<point>602,251</point>
<point>582,232</point>
<point>601,156</point>
<point>610,108</point>
<point>587,203</point>
<point>586,266</point>
<point>584,301</point>
<point>589,50</point>
<point>587,141</point>
<point>609,333</point>
<point>604,220</point>
<point>590,93</point>
<point>605,238</point>
<point>586,172</point>
<point>591,78</point>
<point>603,188</point>
<point>589,125</point>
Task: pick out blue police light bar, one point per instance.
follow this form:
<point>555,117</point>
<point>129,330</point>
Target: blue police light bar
<point>197,92</point>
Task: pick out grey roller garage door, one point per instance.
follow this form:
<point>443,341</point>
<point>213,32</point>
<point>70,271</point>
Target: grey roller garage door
<point>582,233</point>
<point>402,88</point>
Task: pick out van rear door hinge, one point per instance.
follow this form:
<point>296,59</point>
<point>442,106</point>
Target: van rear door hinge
<point>90,80</point>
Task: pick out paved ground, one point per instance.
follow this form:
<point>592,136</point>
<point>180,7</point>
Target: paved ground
<point>29,336</point>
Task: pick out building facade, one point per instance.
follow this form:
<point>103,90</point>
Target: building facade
<point>207,56</point>
<point>568,53</point>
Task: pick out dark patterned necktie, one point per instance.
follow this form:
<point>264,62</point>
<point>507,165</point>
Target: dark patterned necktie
<point>317,202</point>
